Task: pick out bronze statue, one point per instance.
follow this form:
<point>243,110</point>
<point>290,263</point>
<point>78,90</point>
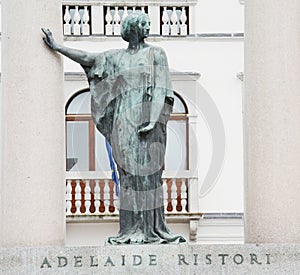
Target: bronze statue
<point>132,99</point>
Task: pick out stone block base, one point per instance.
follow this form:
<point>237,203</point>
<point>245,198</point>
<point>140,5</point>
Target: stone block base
<point>153,259</point>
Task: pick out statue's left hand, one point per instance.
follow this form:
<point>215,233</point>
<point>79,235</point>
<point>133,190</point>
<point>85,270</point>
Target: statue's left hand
<point>146,129</point>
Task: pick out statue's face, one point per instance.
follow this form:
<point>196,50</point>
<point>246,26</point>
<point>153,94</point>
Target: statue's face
<point>144,27</point>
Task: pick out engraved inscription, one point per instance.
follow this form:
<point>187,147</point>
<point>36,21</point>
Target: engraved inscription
<point>137,260</point>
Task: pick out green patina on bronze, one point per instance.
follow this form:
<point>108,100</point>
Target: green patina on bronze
<point>132,99</point>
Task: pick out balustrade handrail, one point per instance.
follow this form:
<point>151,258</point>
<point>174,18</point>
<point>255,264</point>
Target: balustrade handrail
<point>131,2</point>
<point>90,175</point>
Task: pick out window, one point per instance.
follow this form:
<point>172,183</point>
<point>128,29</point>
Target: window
<point>86,150</point>
<point>177,137</point>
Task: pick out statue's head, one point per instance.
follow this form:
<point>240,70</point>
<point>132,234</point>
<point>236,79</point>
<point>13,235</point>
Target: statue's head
<point>136,24</point>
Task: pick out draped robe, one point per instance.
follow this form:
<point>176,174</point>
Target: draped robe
<point>128,91</point>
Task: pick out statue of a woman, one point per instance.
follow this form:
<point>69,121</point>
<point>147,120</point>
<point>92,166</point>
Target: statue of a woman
<point>132,99</point>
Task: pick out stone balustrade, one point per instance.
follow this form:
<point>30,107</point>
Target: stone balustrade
<point>94,193</point>
<point>174,20</point>
<point>98,19</point>
<point>76,20</point>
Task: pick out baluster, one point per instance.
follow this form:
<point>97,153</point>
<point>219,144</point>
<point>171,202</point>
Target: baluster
<point>183,19</point>
<point>77,197</point>
<point>87,197</point>
<point>82,207</point>
<point>165,20</point>
<point>174,21</point>
<point>76,25</point>
<point>116,201</point>
<point>111,208</point>
<point>143,9</point>
<point>117,20</point>
<point>102,205</point>
<point>133,9</point>
<point>69,197</point>
<point>125,13</point>
<point>165,193</point>
<point>85,21</point>
<point>97,197</point>
<point>108,19</point>
<point>106,196</point>
<point>183,195</point>
<point>67,19</point>
<point>174,195</point>
<point>129,10</point>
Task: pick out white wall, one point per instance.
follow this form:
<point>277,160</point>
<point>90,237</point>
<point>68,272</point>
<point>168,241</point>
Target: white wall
<point>219,16</point>
<point>218,61</point>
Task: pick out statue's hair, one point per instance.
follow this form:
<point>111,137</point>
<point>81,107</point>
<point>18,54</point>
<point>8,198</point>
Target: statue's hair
<point>130,24</point>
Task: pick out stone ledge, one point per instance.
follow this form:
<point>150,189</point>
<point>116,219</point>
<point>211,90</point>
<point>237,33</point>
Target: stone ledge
<point>132,2</point>
<point>153,259</point>
<point>170,217</point>
<point>175,76</point>
<point>158,38</point>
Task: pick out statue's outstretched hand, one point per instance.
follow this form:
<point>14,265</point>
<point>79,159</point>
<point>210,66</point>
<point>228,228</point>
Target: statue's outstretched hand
<point>48,39</point>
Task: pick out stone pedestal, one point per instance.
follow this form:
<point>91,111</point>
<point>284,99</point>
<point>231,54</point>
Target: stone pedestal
<point>33,154</point>
<point>272,121</point>
<point>153,259</point>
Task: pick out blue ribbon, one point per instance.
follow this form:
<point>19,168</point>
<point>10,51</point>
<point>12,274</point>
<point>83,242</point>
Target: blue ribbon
<point>113,168</point>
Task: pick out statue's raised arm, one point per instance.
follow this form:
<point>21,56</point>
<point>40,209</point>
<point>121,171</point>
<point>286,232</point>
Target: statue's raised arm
<point>82,57</point>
